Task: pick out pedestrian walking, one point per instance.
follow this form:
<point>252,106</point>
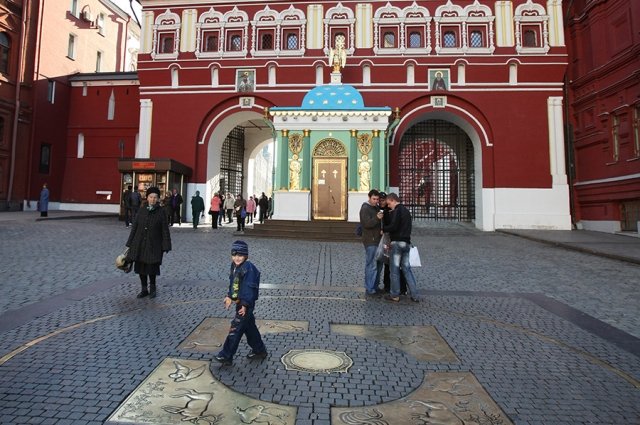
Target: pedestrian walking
<point>240,210</point>
<point>251,209</point>
<point>214,210</point>
<point>244,285</point>
<point>176,208</point>
<point>148,241</point>
<point>370,220</point>
<point>399,229</point>
<point>228,207</point>
<point>263,204</point>
<point>43,202</point>
<point>197,208</point>
<point>132,200</point>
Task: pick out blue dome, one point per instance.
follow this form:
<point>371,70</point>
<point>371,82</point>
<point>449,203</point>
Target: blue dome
<point>333,97</point>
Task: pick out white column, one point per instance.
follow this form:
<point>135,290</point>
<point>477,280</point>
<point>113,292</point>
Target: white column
<point>143,147</point>
<point>556,140</point>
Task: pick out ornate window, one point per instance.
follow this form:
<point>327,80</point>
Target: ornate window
<point>461,31</point>
<point>417,24</point>
<point>532,32</point>
<point>636,131</point>
<point>166,35</point>
<point>387,22</point>
<point>235,24</point>
<point>208,34</point>
<point>478,29</point>
<point>292,27</point>
<point>286,31</point>
<point>5,50</point>
<point>339,20</point>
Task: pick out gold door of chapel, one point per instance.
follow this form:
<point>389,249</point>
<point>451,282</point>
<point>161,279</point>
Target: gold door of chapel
<point>329,194</point>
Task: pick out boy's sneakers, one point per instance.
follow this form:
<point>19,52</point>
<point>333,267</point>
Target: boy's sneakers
<point>252,355</point>
<point>223,360</point>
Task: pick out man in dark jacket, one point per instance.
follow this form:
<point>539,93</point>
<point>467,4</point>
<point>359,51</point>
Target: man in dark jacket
<point>370,219</point>
<point>399,229</point>
<point>197,208</point>
<point>176,208</point>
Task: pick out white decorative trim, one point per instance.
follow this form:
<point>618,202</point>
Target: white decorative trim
<point>167,22</point>
<point>338,16</point>
<point>531,13</point>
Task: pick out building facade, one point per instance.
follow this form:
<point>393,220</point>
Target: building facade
<point>479,87</point>
<point>68,37</point>
<point>477,132</point>
<point>17,31</point>
<point>604,93</point>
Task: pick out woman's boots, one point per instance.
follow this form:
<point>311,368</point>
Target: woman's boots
<point>144,291</point>
<point>152,287</point>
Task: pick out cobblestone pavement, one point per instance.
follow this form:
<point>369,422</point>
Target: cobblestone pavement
<point>551,334</point>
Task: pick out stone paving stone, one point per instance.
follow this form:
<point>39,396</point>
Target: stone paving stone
<point>537,366</point>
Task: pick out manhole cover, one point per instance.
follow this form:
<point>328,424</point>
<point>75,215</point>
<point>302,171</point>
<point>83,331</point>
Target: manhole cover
<point>317,361</point>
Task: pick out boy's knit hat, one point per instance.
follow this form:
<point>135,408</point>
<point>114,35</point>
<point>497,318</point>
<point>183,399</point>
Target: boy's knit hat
<point>240,247</point>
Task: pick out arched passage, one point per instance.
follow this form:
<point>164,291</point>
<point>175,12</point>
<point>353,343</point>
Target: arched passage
<point>436,171</point>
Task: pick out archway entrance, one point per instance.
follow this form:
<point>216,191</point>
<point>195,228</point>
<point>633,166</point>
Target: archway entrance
<point>436,172</point>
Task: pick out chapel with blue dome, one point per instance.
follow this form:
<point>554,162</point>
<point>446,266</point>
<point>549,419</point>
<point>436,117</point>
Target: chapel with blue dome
<point>330,152</point>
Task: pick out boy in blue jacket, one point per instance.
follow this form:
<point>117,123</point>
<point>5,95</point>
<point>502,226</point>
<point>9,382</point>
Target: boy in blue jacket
<point>244,282</point>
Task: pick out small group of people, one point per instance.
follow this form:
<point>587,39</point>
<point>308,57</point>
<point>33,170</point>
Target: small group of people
<point>150,239</point>
<point>384,214</point>
<point>244,210</point>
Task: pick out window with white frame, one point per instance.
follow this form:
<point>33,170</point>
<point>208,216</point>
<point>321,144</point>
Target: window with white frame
<point>236,25</point>
<point>100,23</point>
<point>531,29</point>
<point>166,33</point>
<point>415,25</point>
<point>464,30</point>
<point>209,34</point>
<point>387,21</point>
<point>71,47</point>
<point>339,20</point>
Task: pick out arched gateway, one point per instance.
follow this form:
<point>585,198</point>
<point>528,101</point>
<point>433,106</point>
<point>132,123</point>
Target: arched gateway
<point>436,171</point>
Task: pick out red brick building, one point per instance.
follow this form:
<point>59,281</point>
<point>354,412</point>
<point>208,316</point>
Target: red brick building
<point>604,96</point>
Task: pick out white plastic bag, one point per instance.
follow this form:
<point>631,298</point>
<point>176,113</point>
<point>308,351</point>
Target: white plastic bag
<point>414,257</point>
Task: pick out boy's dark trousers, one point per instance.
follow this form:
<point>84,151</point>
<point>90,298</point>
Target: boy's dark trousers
<point>386,279</point>
<point>242,325</point>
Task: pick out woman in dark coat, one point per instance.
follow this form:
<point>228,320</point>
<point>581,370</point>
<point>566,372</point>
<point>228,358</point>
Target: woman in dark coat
<point>149,239</point>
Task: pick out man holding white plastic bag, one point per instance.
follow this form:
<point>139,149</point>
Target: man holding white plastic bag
<point>399,229</point>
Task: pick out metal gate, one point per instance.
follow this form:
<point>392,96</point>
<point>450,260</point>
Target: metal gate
<point>231,162</point>
<point>436,172</point>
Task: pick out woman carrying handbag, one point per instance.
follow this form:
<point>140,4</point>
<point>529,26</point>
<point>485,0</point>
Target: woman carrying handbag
<point>148,241</point>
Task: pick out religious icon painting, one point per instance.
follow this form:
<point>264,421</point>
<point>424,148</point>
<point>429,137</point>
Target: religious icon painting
<point>245,80</point>
<point>439,79</point>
